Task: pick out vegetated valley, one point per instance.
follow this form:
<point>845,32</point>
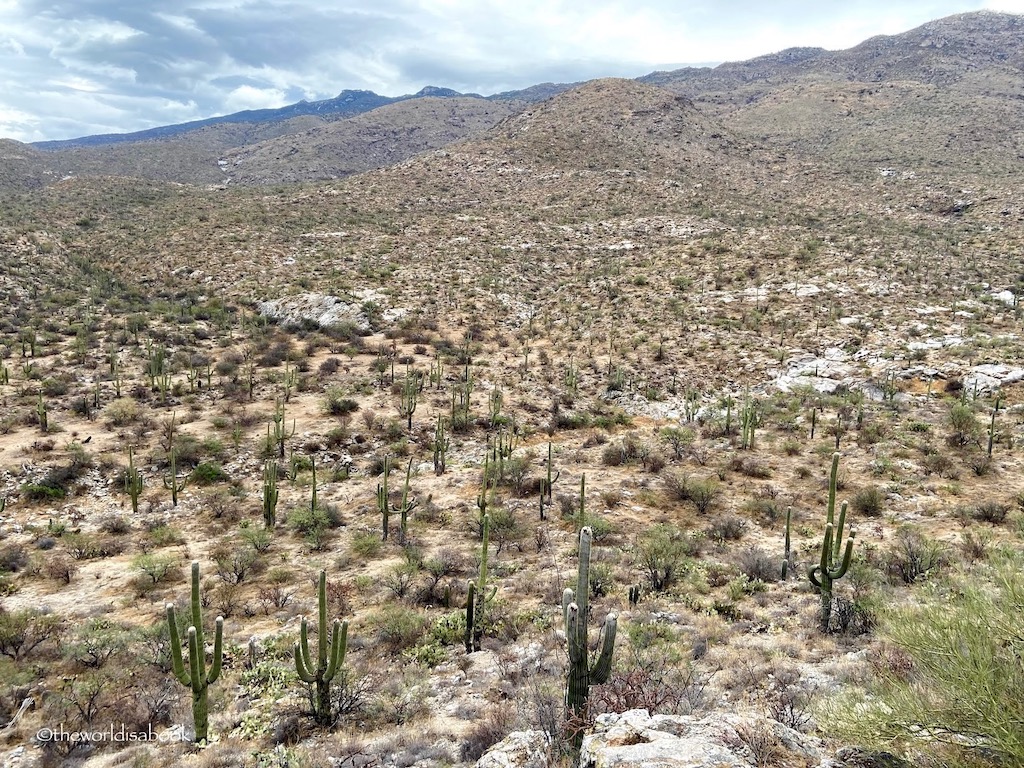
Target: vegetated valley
<point>670,344</point>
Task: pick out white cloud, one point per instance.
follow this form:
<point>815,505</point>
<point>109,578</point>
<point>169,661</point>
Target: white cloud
<point>247,97</point>
<point>1005,6</point>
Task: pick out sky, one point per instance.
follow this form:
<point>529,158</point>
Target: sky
<point>73,68</point>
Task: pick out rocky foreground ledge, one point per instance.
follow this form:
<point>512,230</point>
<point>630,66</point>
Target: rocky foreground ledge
<point>637,739</point>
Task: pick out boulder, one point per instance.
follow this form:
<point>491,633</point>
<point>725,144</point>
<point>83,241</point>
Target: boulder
<point>520,749</point>
<point>637,738</point>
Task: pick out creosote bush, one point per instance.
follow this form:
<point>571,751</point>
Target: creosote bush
<point>952,672</point>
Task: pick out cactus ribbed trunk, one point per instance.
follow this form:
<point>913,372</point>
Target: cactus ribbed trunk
<point>581,675</point>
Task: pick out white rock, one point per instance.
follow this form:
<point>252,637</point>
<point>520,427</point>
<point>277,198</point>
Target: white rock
<point>520,749</point>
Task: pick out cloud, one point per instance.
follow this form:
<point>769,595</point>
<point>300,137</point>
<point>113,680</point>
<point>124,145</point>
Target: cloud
<point>248,97</point>
<point>123,65</point>
<point>1005,6</point>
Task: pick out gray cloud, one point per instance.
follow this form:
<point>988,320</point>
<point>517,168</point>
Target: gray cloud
<point>77,67</point>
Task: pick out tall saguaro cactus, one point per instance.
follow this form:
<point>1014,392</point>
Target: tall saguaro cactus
<point>575,605</point>
<point>787,552</point>
<point>270,494</point>
<point>133,482</point>
<point>327,664</point>
<point>834,560</point>
<point>477,597</point>
<point>383,505</point>
<point>197,677</point>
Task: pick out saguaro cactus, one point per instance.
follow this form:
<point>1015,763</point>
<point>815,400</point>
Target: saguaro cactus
<point>406,506</point>
<point>42,414</point>
<point>172,482</point>
<point>409,397</point>
<point>270,494</point>
<point>787,551</point>
<point>581,675</point>
<point>441,445</point>
<point>383,505</point>
<point>327,664</point>
<point>477,598</point>
<point>133,482</point>
<point>280,429</point>
<point>547,486</point>
<point>834,560</point>
<point>197,678</point>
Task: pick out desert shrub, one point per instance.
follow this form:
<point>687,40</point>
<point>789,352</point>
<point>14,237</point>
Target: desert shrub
<point>613,455</point>
<point>680,438</point>
<point>677,485</point>
<point>96,641</point>
<point>913,557</point>
<point>54,387</point>
<point>951,669</point>
<point>41,492</point>
<point>13,558</point>
<point>727,528</point>
<point>187,451</point>
<point>398,627</point>
<point>768,511</point>
<point>336,404</point>
<point>23,631</point>
<point>991,512</point>
<point>329,366</point>
<point>868,501</point>
<point>116,525</point>
<point>122,412</point>
<point>975,546</point>
<point>704,494</point>
<point>367,543</point>
<point>964,425</point>
<point>207,473</point>
<point>84,546</point>
<point>486,732</point>
<point>313,522</point>
<point>155,567</point>
<point>601,527</point>
<point>758,565</point>
<point>505,529</point>
<point>937,463</point>
<point>662,552</point>
<point>750,467</point>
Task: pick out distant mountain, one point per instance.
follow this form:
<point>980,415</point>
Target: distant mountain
<point>945,99</point>
<point>345,104</point>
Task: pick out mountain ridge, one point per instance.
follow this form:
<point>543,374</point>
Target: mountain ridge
<point>951,84</point>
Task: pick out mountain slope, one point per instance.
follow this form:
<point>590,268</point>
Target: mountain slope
<point>944,99</point>
<point>374,139</point>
